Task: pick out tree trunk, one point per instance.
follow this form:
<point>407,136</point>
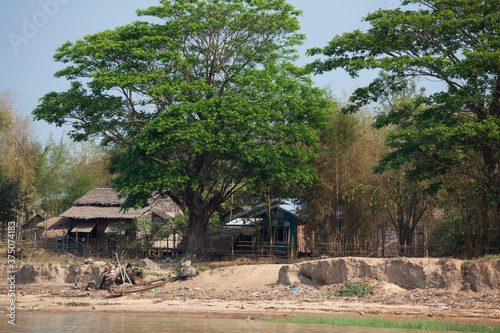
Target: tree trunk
<point>199,214</point>
<point>197,229</point>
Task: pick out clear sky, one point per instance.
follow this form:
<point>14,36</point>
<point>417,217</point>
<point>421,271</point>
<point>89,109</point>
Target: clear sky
<point>31,31</point>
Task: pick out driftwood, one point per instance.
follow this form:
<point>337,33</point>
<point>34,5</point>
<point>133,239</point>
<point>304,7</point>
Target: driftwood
<point>136,276</point>
<point>114,275</point>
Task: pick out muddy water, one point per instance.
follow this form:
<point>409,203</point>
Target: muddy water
<point>41,323</point>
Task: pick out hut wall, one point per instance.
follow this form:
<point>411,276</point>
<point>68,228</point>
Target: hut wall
<point>168,205</point>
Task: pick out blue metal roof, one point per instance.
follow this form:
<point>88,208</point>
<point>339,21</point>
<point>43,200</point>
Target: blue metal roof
<point>291,206</point>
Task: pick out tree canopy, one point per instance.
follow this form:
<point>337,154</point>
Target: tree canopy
<point>203,98</point>
<point>454,42</point>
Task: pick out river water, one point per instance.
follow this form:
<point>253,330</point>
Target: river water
<point>95,323</point>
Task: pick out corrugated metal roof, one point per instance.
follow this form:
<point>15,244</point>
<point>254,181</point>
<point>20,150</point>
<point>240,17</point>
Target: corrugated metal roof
<point>291,206</point>
<point>293,209</point>
<point>243,221</point>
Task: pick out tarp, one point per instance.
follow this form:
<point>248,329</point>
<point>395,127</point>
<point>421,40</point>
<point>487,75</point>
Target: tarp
<point>83,227</point>
<point>112,227</point>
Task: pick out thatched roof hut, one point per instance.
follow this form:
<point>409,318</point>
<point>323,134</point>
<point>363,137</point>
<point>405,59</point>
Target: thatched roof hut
<point>97,210</point>
<point>53,227</point>
<point>104,203</point>
<point>30,228</point>
<point>33,222</point>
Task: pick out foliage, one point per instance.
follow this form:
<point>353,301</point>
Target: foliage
<point>51,176</point>
<point>355,288</point>
<point>9,189</point>
<point>143,230</point>
<point>48,180</point>
<point>119,234</point>
<point>214,222</point>
<point>201,268</point>
<point>378,322</point>
<point>68,170</point>
<point>20,152</point>
<point>219,108</point>
<point>464,267</point>
<point>180,221</point>
<point>344,206</point>
<point>454,130</point>
<point>466,226</point>
<point>149,231</point>
<point>73,303</point>
<point>492,256</point>
<point>154,273</point>
<point>405,200</point>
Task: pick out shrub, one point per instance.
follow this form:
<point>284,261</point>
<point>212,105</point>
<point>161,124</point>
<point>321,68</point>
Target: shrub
<point>464,267</point>
<point>201,268</point>
<point>356,288</point>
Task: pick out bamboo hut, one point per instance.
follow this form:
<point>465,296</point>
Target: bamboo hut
<point>100,209</point>
<point>30,229</point>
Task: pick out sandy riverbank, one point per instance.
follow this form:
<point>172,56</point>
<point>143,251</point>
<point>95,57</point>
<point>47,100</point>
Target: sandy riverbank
<point>261,290</point>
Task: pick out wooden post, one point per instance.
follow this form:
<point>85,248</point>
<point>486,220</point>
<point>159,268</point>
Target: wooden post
<point>314,244</point>
<point>426,251</point>
<point>253,247</point>
<point>383,241</point>
<point>415,242</point>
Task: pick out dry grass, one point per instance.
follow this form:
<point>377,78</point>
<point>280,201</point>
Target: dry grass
<point>237,262</point>
<point>28,254</point>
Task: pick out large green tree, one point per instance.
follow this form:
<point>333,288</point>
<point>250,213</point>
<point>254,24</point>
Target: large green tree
<point>204,99</point>
<point>453,42</point>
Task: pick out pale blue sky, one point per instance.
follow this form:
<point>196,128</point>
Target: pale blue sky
<point>31,30</point>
